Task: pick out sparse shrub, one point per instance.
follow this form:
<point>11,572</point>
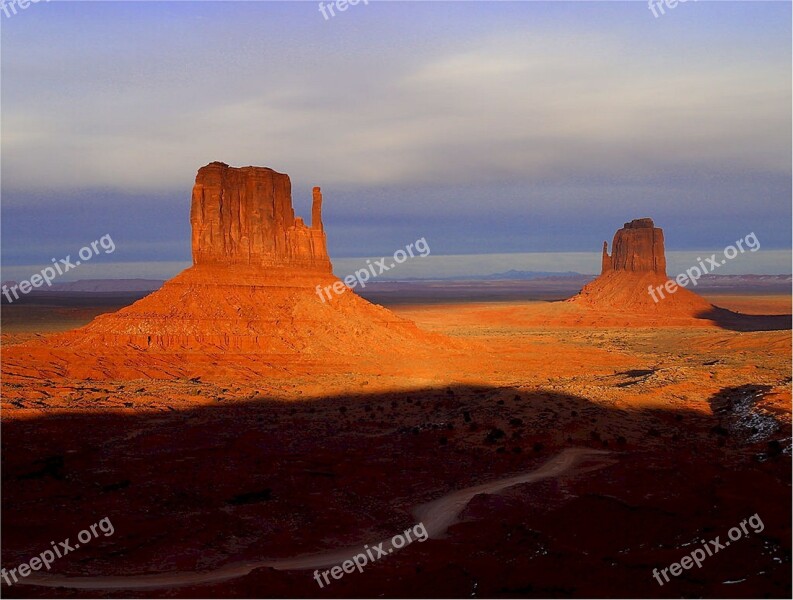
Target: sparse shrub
<point>495,434</point>
<point>719,430</point>
<point>774,448</point>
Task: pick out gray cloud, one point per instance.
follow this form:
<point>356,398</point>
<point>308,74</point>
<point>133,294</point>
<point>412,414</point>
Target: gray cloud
<point>486,127</point>
<point>496,108</point>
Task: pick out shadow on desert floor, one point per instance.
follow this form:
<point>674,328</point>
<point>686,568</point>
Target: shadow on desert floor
<point>192,490</point>
<point>733,321</point>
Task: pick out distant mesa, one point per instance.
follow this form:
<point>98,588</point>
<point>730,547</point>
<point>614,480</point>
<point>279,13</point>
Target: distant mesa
<point>637,262</point>
<point>251,291</point>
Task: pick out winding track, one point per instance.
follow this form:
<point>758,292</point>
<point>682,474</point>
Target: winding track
<point>437,516</point>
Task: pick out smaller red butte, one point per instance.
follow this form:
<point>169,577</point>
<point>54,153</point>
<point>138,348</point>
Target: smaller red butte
<point>637,264</point>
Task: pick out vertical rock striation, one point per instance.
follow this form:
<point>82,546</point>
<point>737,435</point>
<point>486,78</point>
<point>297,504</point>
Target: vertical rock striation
<point>245,216</point>
<point>637,247</point>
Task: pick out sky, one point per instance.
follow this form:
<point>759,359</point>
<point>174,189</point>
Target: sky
<point>488,128</point>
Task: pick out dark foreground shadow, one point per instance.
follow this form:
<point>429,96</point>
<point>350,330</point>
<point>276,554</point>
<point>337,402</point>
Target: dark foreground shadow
<point>727,319</point>
<point>201,488</point>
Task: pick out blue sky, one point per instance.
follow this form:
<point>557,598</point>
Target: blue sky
<point>485,127</point>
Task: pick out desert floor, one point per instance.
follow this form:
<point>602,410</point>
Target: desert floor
<point>207,472</point>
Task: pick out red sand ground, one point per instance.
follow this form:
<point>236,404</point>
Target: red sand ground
<point>256,459</point>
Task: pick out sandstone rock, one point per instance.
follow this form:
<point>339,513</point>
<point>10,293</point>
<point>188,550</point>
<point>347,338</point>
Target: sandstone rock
<point>316,210</point>
<point>251,302</point>
<point>637,247</point>
<point>636,264</point>
<point>605,263</point>
<point>245,216</point>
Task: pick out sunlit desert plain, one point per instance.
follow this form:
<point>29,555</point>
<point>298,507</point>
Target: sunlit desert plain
<point>602,441</point>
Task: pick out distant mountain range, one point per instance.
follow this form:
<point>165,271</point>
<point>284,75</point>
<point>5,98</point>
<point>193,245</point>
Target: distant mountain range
<point>99,286</point>
<point>511,275</point>
<point>126,286</point>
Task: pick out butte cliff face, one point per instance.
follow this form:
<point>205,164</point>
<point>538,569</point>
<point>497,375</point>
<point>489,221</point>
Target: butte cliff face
<point>637,248</point>
<point>251,295</point>
<point>636,264</point>
<point>245,216</point>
